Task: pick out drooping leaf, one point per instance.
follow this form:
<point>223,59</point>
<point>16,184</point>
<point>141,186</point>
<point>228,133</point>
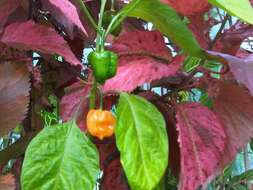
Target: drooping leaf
<point>66,14</point>
<point>31,36</point>
<point>233,105</point>
<point>60,157</point>
<point>142,141</point>
<point>242,69</point>
<point>241,9</point>
<point>75,101</point>
<point>144,57</point>
<point>14,95</point>
<point>6,8</point>
<point>166,20</point>
<point>202,142</point>
<point>188,7</point>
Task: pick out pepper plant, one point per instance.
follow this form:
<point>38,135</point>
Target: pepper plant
<point>116,94</point>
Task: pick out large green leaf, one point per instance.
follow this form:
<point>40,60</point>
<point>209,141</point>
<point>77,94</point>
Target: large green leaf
<point>239,8</point>
<point>142,140</point>
<point>168,22</point>
<point>60,157</point>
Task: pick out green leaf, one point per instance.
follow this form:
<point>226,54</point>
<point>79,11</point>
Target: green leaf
<point>169,23</point>
<point>60,157</point>
<point>142,140</point>
<point>240,8</point>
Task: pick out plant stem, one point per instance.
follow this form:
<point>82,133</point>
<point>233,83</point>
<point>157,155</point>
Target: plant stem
<point>87,13</point>
<point>101,98</point>
<point>219,33</point>
<point>93,94</point>
<point>121,16</point>
<point>112,5</point>
<point>99,40</point>
<point>246,162</point>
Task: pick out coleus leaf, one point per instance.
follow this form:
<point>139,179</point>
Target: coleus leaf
<point>202,142</point>
<point>31,36</point>
<point>6,8</point>
<point>241,9</point>
<point>60,157</point>
<point>14,95</point>
<point>188,7</point>
<point>144,57</point>
<point>7,182</point>
<point>75,101</point>
<point>66,14</point>
<point>166,20</point>
<point>141,135</point>
<point>242,69</point>
<point>233,105</point>
<point>114,176</point>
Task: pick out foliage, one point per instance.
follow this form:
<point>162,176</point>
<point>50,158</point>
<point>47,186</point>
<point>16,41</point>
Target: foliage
<point>182,94</point>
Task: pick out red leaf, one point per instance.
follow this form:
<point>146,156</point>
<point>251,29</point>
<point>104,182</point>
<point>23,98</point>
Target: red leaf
<point>74,102</point>
<point>242,69</point>
<point>114,177</point>
<point>202,142</point>
<point>31,36</point>
<point>14,95</point>
<point>231,40</point>
<point>66,14</point>
<point>6,8</point>
<point>7,182</point>
<point>188,7</point>
<point>139,60</point>
<point>234,107</point>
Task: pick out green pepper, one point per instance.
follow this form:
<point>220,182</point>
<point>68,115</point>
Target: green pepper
<point>107,18</point>
<point>103,64</point>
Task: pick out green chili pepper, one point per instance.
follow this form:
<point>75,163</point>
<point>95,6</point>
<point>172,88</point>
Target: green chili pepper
<point>103,64</point>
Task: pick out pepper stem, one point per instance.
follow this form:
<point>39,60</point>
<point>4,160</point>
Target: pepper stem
<point>101,99</point>
<point>93,94</point>
<point>100,36</point>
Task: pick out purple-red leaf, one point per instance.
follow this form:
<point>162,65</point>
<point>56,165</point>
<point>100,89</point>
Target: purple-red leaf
<point>14,95</point>
<point>66,14</point>
<point>144,57</point>
<point>6,8</point>
<point>234,108</point>
<point>31,36</point>
<point>202,142</point>
<point>242,69</point>
<point>188,7</point>
<point>75,104</point>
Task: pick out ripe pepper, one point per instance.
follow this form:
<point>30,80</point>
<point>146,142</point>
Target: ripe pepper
<point>104,65</point>
<point>107,18</point>
<point>100,123</point>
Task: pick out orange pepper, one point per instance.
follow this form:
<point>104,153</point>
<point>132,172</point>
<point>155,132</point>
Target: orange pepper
<point>100,123</point>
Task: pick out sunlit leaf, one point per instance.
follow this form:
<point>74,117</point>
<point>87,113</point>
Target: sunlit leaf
<point>142,141</point>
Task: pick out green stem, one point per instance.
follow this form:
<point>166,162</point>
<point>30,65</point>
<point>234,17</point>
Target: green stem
<point>100,29</point>
<point>121,16</point>
<point>87,13</point>
<point>93,94</point>
<point>101,98</point>
<point>112,5</point>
